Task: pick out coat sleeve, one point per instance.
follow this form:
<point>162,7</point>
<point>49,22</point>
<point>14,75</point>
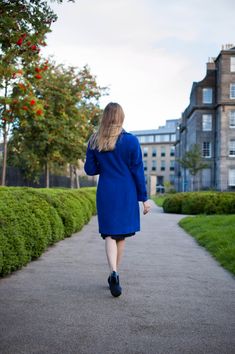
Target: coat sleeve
<point>91,166</point>
<point>137,170</point>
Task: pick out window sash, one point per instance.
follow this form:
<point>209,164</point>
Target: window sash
<point>232,119</point>
<point>154,152</point>
<point>206,122</point>
<point>206,149</point>
<point>232,148</point>
<point>232,90</point>
<point>231,177</point>
<point>232,64</point>
<point>207,95</point>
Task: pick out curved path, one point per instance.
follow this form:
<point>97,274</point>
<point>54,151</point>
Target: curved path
<point>176,298</point>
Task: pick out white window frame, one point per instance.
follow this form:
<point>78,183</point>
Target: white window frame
<point>163,151</point>
<point>173,137</point>
<point>145,164</point>
<point>232,119</point>
<point>231,177</point>
<point>172,151</point>
<point>154,151</point>
<point>232,148</point>
<point>154,165</point>
<point>232,64</point>
<point>206,149</point>
<point>207,95</point>
<point>145,151</point>
<point>207,122</point>
<point>232,91</point>
<point>163,165</point>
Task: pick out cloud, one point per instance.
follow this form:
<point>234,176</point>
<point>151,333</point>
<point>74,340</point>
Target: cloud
<point>148,51</point>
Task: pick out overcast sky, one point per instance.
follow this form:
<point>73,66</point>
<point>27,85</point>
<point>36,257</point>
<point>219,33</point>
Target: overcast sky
<point>148,52</point>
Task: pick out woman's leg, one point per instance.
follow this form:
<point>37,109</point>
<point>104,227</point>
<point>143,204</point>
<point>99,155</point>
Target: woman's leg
<point>120,249</point>
<point>111,252</point>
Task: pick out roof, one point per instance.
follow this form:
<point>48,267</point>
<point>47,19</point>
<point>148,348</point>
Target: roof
<point>170,127</point>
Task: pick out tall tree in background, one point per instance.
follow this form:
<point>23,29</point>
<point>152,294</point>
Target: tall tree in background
<point>192,160</point>
<point>23,28</point>
<point>57,132</point>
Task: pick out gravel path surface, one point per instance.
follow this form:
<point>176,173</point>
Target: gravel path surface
<point>176,298</point>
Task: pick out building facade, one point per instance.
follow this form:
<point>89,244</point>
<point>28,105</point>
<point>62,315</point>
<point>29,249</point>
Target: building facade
<point>209,121</point>
<point>158,155</point>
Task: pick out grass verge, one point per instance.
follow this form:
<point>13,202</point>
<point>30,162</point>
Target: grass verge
<point>217,234</point>
<point>158,199</point>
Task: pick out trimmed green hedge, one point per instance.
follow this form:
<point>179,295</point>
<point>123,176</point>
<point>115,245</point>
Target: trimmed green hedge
<point>200,203</point>
<point>32,219</point>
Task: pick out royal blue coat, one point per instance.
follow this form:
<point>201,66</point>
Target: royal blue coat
<point>121,185</point>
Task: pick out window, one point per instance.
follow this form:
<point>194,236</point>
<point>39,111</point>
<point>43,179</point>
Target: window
<point>154,165</point>
<point>163,165</point>
<point>207,95</point>
<point>140,138</point>
<point>172,151</point>
<point>163,151</point>
<point>232,148</point>
<point>149,138</point>
<point>173,137</point>
<point>145,151</point>
<point>232,64</point>
<point>154,152</point>
<point>231,177</point>
<point>172,165</point>
<point>206,149</point>
<point>232,119</point>
<point>162,138</point>
<point>206,122</point>
<point>145,138</point>
<point>232,91</point>
<point>145,165</point>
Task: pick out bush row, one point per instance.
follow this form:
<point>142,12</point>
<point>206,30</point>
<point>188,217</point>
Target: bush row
<point>32,219</point>
<point>200,203</point>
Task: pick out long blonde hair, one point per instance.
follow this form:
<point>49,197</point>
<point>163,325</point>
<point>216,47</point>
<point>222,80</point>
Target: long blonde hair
<point>109,129</point>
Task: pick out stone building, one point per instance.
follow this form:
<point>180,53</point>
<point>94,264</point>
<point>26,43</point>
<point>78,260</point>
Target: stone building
<point>209,121</point>
<point>158,155</point>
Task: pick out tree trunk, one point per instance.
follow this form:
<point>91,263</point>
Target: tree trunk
<point>198,183</point>
<point>77,183</point>
<point>47,175</point>
<point>71,176</point>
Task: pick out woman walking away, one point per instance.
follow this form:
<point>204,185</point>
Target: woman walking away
<point>116,156</point>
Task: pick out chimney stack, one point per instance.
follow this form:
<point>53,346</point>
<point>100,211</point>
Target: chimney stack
<point>210,65</point>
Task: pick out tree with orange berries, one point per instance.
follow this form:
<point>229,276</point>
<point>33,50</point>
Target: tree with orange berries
<point>56,133</point>
<point>23,28</point>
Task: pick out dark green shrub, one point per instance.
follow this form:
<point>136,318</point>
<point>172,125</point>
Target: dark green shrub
<point>200,203</point>
<point>194,203</point>
<point>32,219</point>
<point>173,203</point>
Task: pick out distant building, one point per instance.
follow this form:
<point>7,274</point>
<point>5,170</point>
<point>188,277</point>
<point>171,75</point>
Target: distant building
<point>209,121</point>
<point>158,154</point>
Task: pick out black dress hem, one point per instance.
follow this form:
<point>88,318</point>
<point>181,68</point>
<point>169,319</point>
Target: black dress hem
<point>118,237</point>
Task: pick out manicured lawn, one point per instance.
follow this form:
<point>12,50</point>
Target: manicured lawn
<point>217,234</point>
<point>158,199</point>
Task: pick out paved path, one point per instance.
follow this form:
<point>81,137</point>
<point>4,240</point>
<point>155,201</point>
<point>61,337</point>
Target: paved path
<point>176,298</point>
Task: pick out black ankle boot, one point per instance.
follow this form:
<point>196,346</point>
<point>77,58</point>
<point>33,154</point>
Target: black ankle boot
<point>109,279</point>
<point>114,285</point>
